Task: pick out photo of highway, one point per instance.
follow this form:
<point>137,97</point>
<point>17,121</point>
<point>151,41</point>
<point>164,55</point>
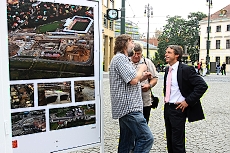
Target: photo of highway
<point>84,90</point>
<point>54,93</point>
<point>21,95</point>
<point>61,118</point>
<point>49,40</point>
<point>28,122</point>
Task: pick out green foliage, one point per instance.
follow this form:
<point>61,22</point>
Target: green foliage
<point>179,31</point>
<point>157,59</point>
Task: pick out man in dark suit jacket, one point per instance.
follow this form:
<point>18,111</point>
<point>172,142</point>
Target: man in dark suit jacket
<point>186,89</point>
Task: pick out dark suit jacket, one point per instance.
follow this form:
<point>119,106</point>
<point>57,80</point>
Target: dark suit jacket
<point>192,87</point>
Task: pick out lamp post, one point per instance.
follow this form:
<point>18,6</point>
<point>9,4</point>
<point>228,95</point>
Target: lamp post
<point>209,3</point>
<point>148,9</point>
<point>123,17</point>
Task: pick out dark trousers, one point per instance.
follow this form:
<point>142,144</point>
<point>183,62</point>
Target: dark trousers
<point>223,72</point>
<point>175,128</point>
<point>146,113</point>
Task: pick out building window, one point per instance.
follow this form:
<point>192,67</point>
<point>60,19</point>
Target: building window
<point>228,44</point>
<point>111,4</point>
<point>217,44</point>
<point>209,29</point>
<point>217,59</point>
<point>111,25</point>
<point>117,34</point>
<point>105,21</point>
<point>227,60</point>
<point>228,27</point>
<point>117,27</point>
<point>218,28</point>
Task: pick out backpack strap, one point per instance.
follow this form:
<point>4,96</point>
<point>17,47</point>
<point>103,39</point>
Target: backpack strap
<point>145,62</point>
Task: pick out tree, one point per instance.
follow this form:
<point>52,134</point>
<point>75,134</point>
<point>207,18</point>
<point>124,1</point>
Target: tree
<point>194,38</point>
<point>173,33</point>
<point>179,31</point>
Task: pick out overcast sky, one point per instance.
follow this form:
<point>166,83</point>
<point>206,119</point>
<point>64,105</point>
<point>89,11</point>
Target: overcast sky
<point>162,8</point>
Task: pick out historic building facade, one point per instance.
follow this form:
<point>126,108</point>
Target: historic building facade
<point>219,38</point>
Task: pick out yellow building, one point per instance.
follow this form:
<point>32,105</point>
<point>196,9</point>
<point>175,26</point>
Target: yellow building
<point>108,33</point>
<point>152,49</point>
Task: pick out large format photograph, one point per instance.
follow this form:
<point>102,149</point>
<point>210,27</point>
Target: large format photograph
<point>54,93</point>
<point>49,40</point>
<point>61,118</point>
<point>21,95</point>
<point>84,90</point>
<point>28,122</point>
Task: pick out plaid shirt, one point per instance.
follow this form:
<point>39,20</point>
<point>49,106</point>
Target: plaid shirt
<point>125,98</point>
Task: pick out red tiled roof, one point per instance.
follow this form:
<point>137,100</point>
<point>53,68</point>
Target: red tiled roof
<point>152,41</point>
<point>218,15</point>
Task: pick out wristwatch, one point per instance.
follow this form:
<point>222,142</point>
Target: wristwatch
<point>150,85</point>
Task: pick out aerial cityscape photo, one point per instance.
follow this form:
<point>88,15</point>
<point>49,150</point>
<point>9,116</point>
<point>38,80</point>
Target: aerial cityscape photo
<point>61,118</point>
<point>49,40</point>
<point>21,95</point>
<point>28,122</point>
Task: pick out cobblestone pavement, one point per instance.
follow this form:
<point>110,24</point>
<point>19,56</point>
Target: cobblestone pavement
<point>211,135</point>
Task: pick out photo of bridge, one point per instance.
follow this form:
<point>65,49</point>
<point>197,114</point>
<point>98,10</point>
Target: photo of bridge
<point>54,93</point>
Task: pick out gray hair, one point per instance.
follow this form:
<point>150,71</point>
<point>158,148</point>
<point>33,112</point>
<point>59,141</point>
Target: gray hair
<point>137,47</point>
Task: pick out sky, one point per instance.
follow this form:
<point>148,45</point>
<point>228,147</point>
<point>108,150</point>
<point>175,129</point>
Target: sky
<point>162,8</point>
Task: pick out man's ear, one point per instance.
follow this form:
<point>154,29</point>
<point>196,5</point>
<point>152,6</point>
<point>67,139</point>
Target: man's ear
<point>177,56</point>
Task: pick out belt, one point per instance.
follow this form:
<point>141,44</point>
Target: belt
<point>171,104</point>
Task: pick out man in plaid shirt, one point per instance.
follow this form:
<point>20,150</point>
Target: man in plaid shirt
<point>126,99</point>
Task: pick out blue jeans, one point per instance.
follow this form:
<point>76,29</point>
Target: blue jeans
<point>134,134</point>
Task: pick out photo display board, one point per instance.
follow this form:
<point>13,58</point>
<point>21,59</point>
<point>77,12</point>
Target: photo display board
<point>54,69</point>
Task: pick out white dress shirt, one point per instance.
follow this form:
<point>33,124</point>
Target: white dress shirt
<point>175,94</point>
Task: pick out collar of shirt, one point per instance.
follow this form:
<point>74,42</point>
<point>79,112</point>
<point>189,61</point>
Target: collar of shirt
<point>140,62</point>
<point>175,65</point>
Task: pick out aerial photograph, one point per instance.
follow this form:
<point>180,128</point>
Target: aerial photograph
<point>49,40</point>
<point>84,90</point>
<point>21,95</point>
<point>54,93</point>
<point>73,116</point>
<point>28,122</point>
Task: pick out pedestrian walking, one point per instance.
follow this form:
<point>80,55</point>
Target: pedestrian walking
<point>158,67</point>
<point>218,69</point>
<point>204,69</point>
<point>146,85</point>
<point>223,68</point>
<point>126,99</point>
<point>183,88</point>
<point>199,67</point>
<point>196,66</point>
